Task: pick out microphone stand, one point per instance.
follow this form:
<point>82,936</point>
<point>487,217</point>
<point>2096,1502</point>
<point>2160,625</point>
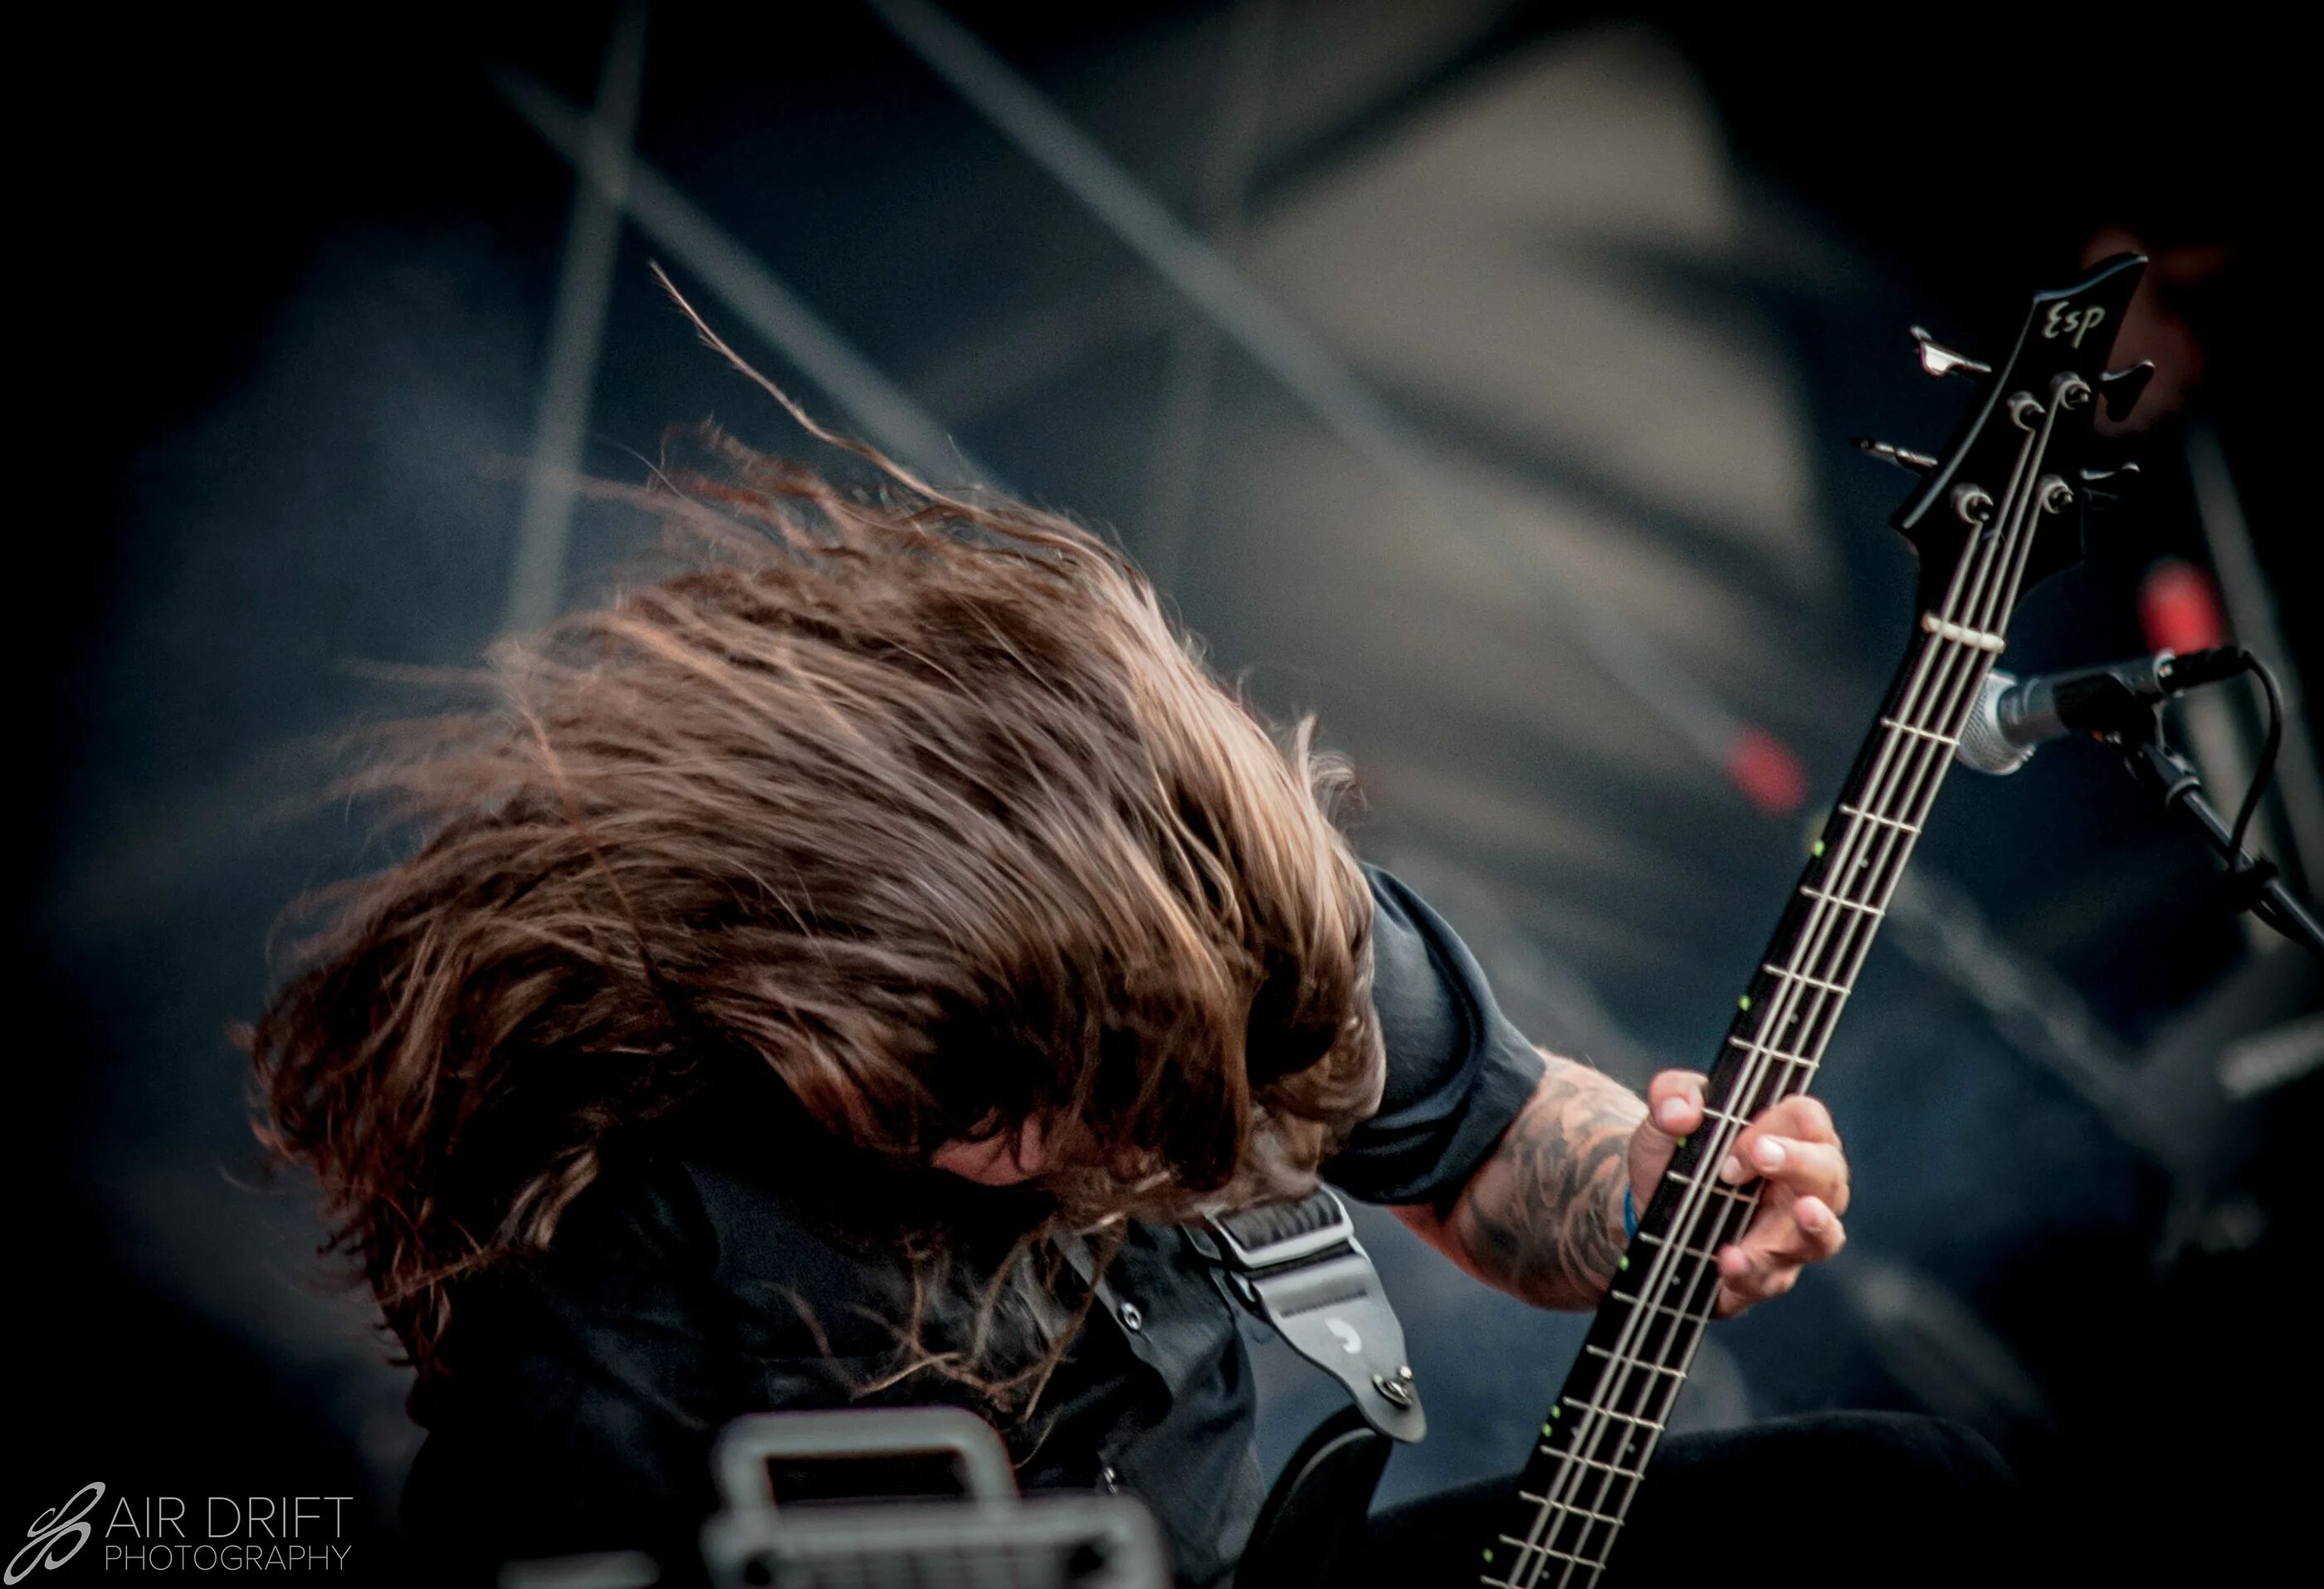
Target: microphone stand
<point>2173,781</point>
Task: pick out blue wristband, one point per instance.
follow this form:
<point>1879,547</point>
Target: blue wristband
<point>1629,1215</point>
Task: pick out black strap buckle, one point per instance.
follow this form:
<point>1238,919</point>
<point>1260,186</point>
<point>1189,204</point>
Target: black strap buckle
<point>1299,1267</point>
<point>1276,1233</point>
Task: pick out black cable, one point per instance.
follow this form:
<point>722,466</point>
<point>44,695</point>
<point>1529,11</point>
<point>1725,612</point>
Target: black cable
<point>2252,879</point>
<point>2264,771</point>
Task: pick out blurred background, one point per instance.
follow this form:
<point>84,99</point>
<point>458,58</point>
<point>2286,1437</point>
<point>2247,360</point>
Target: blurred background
<point>1476,374</point>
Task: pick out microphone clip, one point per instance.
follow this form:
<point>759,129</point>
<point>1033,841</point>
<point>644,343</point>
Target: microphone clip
<point>2118,704</point>
<point>2252,883</point>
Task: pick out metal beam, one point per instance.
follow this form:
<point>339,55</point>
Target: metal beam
<point>577,331</point>
<point>883,411</point>
<point>1173,462</point>
<point>1330,390</point>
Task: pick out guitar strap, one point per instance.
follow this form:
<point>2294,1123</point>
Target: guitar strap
<point>1299,1266</point>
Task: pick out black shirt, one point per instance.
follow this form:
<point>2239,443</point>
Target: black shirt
<point>698,1279</point>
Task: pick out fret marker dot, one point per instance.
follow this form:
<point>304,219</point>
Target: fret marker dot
<point>1816,848</point>
<point>1622,1262</point>
<point>1488,1553</point>
<point>1744,1003</point>
<point>1555,1410</point>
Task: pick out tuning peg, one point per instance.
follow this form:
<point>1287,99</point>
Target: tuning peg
<point>2122,388</point>
<point>1920,462</point>
<point>1938,359</point>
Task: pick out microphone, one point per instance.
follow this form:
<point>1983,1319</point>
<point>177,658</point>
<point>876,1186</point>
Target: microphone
<point>2013,716</point>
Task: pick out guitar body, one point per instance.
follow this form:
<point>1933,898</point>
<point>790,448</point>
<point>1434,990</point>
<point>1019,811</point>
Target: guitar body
<point>1994,514</point>
<point>1316,1511</point>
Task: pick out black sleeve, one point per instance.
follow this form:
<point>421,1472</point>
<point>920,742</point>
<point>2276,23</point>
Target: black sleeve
<point>585,1387</point>
<point>1458,1070</point>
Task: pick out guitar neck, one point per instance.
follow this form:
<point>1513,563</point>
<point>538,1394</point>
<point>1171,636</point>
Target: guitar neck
<point>1595,1444</point>
<point>1975,520</point>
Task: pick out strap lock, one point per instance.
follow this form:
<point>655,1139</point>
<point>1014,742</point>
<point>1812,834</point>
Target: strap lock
<point>1299,1267</point>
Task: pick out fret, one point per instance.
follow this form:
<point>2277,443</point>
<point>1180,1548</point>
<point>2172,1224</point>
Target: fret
<point>1662,1308</point>
<point>1875,849</point>
<point>1961,634</point>
<point>1847,959</point>
<point>1614,1468</point>
<point>1568,1508</point>
<point>1551,1551</point>
<point>1915,729</point>
<point>1751,1046</point>
<point>1801,976</point>
<point>1643,1423</point>
<point>1652,1367</point>
<point>1681,1247</point>
<point>1710,1114</point>
<point>1874,817</point>
<point>1887,891</point>
<point>1843,902</point>
<point>1729,1193</point>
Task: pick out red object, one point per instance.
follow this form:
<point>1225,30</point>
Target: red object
<point>1764,768</point>
<point>2179,608</point>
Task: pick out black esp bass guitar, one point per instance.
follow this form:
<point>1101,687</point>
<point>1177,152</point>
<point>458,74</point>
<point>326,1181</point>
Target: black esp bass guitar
<point>1998,513</point>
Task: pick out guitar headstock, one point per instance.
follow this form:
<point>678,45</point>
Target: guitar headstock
<point>2035,419</point>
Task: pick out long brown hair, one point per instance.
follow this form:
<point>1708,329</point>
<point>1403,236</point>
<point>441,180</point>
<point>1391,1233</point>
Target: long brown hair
<point>919,802</point>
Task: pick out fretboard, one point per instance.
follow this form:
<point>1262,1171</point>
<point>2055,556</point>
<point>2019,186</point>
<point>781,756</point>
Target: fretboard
<point>1565,1519</point>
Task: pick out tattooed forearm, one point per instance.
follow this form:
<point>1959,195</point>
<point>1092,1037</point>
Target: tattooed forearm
<point>1541,1218</point>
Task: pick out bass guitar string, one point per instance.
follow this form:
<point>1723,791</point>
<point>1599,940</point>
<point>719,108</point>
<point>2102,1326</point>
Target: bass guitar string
<point>1612,1384</point>
<point>1916,765</point>
<point>1823,916</point>
<point>1874,846</point>
<point>1844,935</point>
<point>1863,836</point>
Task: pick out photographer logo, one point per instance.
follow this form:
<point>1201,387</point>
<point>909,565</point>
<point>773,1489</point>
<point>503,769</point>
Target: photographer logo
<point>182,1533</point>
<point>57,1535</point>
